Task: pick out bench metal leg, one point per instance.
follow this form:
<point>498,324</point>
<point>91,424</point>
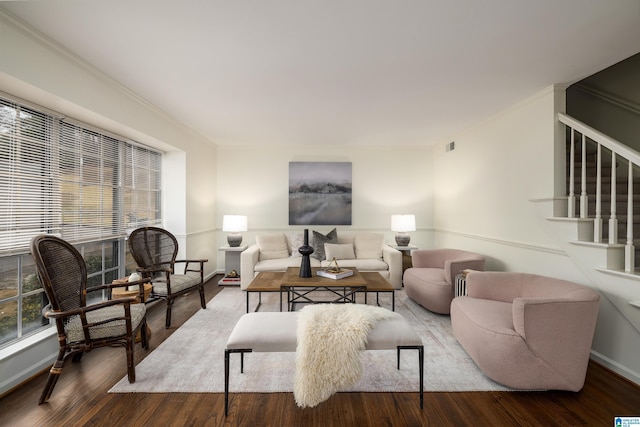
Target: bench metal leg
<point>420,349</point>
<point>227,352</point>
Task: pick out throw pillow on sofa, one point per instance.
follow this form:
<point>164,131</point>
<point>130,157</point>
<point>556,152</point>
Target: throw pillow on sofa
<point>368,245</point>
<point>272,246</point>
<point>339,251</point>
<point>295,241</point>
<point>319,240</point>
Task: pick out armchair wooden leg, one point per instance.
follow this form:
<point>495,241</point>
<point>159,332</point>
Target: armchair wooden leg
<point>203,303</point>
<point>131,367</point>
<point>168,319</point>
<point>144,336</point>
<point>54,374</point>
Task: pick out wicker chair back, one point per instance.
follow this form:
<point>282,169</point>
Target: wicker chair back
<point>62,272</point>
<point>152,247</point>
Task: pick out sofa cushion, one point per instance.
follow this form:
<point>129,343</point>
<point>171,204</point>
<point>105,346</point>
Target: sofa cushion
<point>295,241</point>
<point>319,240</point>
<point>282,264</point>
<point>272,246</point>
<point>368,245</point>
<point>339,251</point>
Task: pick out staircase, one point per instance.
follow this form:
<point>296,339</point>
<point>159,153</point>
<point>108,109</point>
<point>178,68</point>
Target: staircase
<point>604,185</point>
<point>598,223</point>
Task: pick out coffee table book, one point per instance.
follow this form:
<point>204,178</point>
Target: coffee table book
<point>335,275</point>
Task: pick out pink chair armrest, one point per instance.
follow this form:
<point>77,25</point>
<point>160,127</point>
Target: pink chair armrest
<point>558,330</point>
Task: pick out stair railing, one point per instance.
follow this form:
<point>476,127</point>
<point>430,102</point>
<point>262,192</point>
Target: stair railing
<point>618,150</point>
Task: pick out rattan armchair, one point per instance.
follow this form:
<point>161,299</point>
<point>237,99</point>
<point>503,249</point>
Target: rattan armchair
<point>81,327</point>
<point>155,250</point>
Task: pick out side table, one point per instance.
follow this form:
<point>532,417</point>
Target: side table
<point>406,255</point>
<point>231,262</point>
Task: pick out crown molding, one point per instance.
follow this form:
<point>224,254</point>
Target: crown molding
<point>625,104</point>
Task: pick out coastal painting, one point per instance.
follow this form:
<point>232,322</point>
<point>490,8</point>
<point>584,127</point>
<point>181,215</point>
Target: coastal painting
<point>320,193</point>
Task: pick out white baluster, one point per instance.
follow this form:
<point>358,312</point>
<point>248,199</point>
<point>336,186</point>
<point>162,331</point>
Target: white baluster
<point>629,249</point>
<point>613,220</point>
<point>584,207</point>
<point>597,222</point>
<point>571,201</point>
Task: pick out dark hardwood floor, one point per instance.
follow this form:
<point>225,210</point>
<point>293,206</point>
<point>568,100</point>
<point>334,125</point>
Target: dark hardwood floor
<point>81,398</point>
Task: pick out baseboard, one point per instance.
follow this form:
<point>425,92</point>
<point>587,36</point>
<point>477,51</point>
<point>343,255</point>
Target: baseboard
<point>614,366</point>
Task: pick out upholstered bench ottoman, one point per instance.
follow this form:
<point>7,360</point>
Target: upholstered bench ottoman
<point>277,332</point>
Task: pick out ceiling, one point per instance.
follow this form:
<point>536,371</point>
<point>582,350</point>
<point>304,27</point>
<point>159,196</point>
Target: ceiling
<point>338,72</point>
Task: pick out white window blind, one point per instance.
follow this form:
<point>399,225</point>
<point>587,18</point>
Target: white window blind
<point>142,201</point>
<point>63,178</point>
<point>29,197</point>
<point>89,177</point>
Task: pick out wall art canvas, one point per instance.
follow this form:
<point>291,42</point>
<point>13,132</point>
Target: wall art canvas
<point>320,193</point>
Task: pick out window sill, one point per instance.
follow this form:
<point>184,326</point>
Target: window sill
<point>27,342</point>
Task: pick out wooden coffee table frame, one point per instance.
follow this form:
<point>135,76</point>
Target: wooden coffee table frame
<point>297,288</point>
<point>266,281</point>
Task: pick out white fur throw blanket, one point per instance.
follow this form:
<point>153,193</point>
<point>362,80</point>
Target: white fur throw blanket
<point>330,338</point>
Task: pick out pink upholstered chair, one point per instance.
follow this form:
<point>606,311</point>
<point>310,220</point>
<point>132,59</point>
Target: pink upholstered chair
<point>527,331</point>
<point>430,281</point>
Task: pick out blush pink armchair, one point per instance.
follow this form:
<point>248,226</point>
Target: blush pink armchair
<point>526,331</point>
<point>430,281</point>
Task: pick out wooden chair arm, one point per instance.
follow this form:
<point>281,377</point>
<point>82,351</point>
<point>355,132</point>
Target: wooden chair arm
<point>119,285</point>
<point>201,261</point>
<point>189,261</point>
<point>53,314</point>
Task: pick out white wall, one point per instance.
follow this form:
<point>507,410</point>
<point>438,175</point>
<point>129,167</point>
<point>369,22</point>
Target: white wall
<point>482,197</point>
<point>254,181</point>
<point>483,185</point>
<point>484,188</point>
<point>37,70</point>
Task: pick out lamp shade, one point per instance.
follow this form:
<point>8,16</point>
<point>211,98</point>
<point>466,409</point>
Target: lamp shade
<point>403,223</point>
<point>234,223</point>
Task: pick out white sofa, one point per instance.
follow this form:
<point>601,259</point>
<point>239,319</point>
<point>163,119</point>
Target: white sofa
<point>365,251</point>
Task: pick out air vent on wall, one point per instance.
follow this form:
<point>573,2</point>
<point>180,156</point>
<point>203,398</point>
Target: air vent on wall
<point>450,146</point>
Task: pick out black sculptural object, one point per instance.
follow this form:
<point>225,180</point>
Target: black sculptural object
<point>305,250</point>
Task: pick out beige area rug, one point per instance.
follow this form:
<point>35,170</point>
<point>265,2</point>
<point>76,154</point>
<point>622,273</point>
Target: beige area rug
<point>191,360</point>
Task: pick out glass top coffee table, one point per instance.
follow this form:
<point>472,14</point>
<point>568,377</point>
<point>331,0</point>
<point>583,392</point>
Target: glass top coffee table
<point>301,290</point>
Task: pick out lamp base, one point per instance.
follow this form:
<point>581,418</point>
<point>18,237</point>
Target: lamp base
<point>234,239</point>
<point>402,239</point>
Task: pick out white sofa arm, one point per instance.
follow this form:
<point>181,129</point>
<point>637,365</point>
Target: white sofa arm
<point>393,258</point>
<point>248,260</point>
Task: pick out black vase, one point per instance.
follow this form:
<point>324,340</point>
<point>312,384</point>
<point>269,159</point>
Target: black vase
<point>305,250</point>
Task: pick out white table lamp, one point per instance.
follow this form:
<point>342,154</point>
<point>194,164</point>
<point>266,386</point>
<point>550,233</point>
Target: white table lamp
<point>234,224</point>
<point>402,224</point>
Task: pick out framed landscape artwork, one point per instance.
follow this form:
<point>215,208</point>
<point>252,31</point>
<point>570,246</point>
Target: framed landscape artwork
<point>319,193</point>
